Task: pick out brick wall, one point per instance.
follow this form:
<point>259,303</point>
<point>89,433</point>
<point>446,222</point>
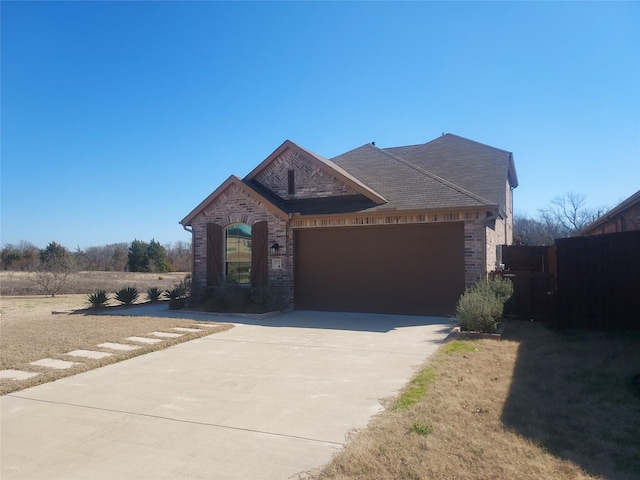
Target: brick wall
<point>473,251</point>
<point>234,206</point>
<point>625,221</point>
<point>311,181</point>
<point>508,240</point>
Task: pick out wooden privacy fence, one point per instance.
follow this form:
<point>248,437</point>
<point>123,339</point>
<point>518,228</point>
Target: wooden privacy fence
<point>598,280</point>
<point>589,281</point>
<point>531,270</point>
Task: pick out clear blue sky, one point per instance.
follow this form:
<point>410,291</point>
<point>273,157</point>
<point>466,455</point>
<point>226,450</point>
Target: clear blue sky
<point>119,118</point>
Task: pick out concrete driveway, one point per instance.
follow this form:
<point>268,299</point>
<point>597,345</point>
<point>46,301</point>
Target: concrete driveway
<point>268,399</point>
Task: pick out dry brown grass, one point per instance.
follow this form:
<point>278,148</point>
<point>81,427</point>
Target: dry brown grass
<point>29,332</point>
<point>21,283</point>
<point>536,405</point>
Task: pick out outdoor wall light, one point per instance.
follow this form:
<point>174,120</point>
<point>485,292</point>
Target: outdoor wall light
<point>274,248</point>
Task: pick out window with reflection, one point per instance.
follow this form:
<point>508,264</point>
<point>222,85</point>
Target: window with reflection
<point>238,252</point>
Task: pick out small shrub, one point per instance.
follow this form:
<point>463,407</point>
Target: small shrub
<point>177,297</point>
<point>213,304</point>
<point>127,295</point>
<point>501,288</point>
<point>232,297</point>
<point>180,290</point>
<point>154,294</point>
<point>98,299</point>
<point>479,309</point>
<point>179,294</point>
<point>260,295</point>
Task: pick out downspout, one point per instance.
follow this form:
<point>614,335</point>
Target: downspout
<point>193,249</point>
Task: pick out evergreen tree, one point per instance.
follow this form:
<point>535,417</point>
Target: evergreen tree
<point>158,259</point>
<point>138,259</point>
<point>148,257</point>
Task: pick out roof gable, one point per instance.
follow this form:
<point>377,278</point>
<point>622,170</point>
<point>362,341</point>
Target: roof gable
<point>244,188</point>
<point>272,174</point>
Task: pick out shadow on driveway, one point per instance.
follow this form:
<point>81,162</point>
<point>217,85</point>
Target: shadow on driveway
<point>362,322</point>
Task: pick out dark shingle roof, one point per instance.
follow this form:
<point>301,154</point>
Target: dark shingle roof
<point>447,172</point>
<point>314,206</point>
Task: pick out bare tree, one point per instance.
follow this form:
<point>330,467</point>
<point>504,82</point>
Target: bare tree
<point>535,231</point>
<point>57,270</point>
<point>569,213</point>
<point>23,256</point>
<point>119,256</point>
<point>179,254</point>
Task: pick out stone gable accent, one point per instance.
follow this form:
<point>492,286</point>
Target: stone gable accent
<point>311,181</point>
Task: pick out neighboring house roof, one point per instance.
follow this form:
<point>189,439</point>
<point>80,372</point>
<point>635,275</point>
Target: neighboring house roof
<point>448,172</point>
<point>621,207</point>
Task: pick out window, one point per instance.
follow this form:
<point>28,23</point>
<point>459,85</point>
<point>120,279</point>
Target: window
<point>238,252</point>
<point>292,182</point>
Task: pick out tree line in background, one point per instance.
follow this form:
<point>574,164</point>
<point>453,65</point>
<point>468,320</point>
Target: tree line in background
<point>138,256</point>
<point>566,216</point>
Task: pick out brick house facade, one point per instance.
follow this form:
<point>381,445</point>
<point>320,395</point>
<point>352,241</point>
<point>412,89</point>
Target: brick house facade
<point>381,229</point>
<point>622,218</point>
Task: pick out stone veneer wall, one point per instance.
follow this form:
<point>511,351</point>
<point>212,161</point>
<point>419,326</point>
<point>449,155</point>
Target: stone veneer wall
<point>234,206</point>
<point>310,180</point>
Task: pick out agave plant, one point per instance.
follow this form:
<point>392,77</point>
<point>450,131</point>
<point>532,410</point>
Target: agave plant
<point>98,299</point>
<point>127,295</point>
<point>153,294</point>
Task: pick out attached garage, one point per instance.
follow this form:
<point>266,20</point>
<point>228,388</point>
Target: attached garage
<point>414,269</point>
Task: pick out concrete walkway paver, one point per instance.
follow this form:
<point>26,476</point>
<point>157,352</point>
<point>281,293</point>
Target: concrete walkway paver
<point>12,374</point>
<point>54,363</point>
<point>89,354</point>
<point>143,339</point>
<point>119,346</point>
<point>265,400</point>
<point>187,329</point>
<point>166,334</point>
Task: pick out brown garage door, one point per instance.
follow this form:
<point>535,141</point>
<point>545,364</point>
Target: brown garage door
<point>408,269</point>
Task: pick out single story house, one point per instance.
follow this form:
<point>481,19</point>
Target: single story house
<point>390,230</point>
<point>622,218</point>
